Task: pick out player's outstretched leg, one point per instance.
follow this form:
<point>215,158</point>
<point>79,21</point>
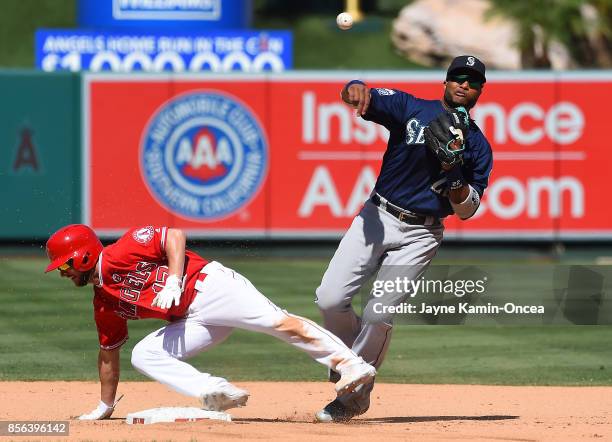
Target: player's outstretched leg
<point>325,348</point>
<point>229,299</point>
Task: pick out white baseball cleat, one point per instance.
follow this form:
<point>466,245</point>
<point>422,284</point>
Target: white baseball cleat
<point>224,397</point>
<point>354,376</point>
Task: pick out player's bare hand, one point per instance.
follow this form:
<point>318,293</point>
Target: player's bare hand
<point>171,293</point>
<point>358,96</point>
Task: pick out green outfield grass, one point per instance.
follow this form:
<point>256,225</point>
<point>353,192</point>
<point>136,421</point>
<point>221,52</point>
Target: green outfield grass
<point>47,333</point>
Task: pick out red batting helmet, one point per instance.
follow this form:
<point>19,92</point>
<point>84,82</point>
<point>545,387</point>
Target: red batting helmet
<point>76,242</point>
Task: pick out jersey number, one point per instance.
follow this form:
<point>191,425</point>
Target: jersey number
<point>160,279</point>
<point>136,280</point>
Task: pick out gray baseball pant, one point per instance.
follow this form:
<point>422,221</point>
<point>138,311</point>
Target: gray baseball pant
<point>376,238</point>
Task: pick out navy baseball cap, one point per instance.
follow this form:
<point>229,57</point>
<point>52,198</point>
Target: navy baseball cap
<point>467,64</point>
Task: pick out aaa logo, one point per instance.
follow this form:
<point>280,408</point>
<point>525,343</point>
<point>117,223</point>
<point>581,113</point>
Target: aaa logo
<point>204,155</point>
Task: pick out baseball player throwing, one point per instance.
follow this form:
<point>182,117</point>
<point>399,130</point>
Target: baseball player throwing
<point>148,273</point>
<point>437,163</point>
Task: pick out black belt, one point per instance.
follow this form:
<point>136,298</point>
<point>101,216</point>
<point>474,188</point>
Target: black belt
<point>402,215</point>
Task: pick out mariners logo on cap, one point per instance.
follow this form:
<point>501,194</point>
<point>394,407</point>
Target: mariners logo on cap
<point>203,155</point>
<point>471,61</point>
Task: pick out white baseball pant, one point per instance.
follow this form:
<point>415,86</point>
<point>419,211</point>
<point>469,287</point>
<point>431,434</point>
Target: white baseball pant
<point>226,300</point>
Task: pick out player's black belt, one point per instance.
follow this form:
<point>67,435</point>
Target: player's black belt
<point>403,215</point>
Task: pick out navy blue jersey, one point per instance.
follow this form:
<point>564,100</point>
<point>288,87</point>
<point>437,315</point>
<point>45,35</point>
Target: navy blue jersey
<point>411,176</point>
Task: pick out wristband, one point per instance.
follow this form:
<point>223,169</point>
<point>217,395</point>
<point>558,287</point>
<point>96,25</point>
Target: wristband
<point>455,178</point>
<point>353,82</point>
<point>103,407</point>
<point>469,206</point>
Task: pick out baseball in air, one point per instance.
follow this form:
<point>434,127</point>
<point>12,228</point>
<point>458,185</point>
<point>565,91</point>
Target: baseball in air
<point>344,21</point>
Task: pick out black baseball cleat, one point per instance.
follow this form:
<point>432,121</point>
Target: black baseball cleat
<point>335,411</point>
<point>333,376</point>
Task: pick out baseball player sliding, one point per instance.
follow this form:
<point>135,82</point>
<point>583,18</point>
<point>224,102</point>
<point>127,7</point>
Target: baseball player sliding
<point>148,273</point>
<point>437,163</point>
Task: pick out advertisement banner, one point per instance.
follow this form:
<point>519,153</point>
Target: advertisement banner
<point>166,14</point>
<point>148,51</point>
<point>283,156</point>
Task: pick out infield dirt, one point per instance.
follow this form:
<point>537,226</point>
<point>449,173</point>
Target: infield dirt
<point>284,411</point>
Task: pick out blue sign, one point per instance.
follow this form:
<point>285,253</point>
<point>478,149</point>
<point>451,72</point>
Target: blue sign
<point>203,15</point>
<point>219,51</point>
<point>204,155</point>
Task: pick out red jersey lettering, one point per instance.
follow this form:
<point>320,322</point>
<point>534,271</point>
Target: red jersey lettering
<point>132,271</point>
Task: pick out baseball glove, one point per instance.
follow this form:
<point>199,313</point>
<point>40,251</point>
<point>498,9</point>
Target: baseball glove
<point>445,136</point>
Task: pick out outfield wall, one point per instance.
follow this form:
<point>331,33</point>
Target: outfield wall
<point>40,167</point>
<point>280,156</point>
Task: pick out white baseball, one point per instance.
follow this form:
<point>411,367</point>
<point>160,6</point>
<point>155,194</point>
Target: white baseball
<point>344,21</point>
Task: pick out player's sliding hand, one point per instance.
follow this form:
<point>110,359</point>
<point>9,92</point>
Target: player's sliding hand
<point>103,411</point>
<point>169,294</point>
<point>359,96</point>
